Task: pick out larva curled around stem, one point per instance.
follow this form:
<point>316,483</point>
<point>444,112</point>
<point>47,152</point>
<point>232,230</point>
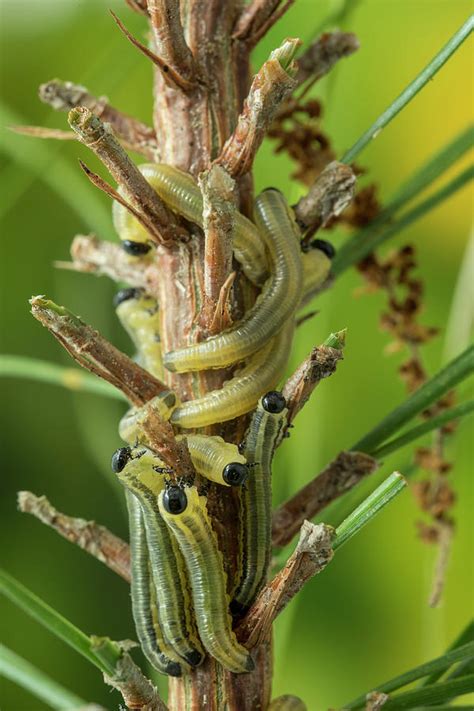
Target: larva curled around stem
<point>139,315</point>
<point>130,426</point>
<point>287,703</point>
<point>144,607</point>
<point>185,512</point>
<point>138,470</point>
<point>240,394</point>
<point>273,308</point>
<point>181,193</point>
<point>216,459</point>
<point>256,497</point>
<point>317,261</point>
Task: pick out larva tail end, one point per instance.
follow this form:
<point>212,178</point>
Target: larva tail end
<point>194,658</point>
<point>237,609</point>
<point>172,669</point>
<point>168,362</point>
<point>250,664</point>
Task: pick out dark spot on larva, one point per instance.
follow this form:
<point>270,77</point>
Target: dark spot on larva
<point>126,295</point>
<point>120,458</point>
<point>135,249</point>
<point>325,247</point>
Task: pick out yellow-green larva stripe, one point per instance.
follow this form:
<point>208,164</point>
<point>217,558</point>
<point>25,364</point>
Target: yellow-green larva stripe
<point>130,426</point>
<point>210,455</point>
<point>256,503</point>
<point>155,648</point>
<point>181,193</point>
<point>287,703</point>
<point>168,570</point>
<point>240,394</point>
<point>139,315</point>
<point>197,541</point>
<point>274,306</point>
<point>316,268</point>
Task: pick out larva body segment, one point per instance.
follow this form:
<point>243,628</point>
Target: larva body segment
<point>216,459</point>
<point>192,529</point>
<point>139,315</point>
<point>167,566</point>
<point>316,267</point>
<point>287,703</point>
<point>274,306</point>
<point>145,614</point>
<point>256,498</point>
<point>240,394</point>
<point>182,195</point>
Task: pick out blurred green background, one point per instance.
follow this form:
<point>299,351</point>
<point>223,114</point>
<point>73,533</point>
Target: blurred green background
<point>366,618</point>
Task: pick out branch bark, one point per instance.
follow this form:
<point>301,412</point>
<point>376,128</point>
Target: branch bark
<point>169,40</point>
<point>64,96</point>
<point>257,18</point>
<point>341,475</point>
<point>137,691</point>
<point>312,554</point>
<point>320,57</point>
<point>93,538</point>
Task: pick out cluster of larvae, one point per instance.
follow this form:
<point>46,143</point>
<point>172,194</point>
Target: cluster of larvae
<point>181,599</point>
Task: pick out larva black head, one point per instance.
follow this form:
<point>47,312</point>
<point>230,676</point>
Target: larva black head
<point>171,668</point>
<point>175,500</point>
<point>120,458</point>
<point>135,249</point>
<point>194,658</point>
<point>273,402</point>
<point>235,473</point>
<point>325,247</point>
<point>126,295</point>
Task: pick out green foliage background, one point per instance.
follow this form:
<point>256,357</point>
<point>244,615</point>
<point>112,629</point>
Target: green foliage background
<point>366,618</point>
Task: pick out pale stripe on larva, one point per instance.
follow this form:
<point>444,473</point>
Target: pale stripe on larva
<point>130,426</point>
<point>139,315</point>
<point>256,497</point>
<point>160,655</point>
<point>216,459</point>
<point>136,470</point>
<point>185,512</point>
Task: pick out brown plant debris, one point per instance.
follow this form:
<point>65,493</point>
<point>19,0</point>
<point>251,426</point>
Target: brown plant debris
<point>434,494</point>
<point>340,475</point>
<point>311,555</point>
<point>93,538</point>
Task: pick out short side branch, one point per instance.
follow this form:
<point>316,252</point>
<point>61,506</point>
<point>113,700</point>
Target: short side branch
<point>94,256</point>
<point>259,17</point>
<point>312,554</point>
<point>217,189</point>
<point>93,538</point>
<point>270,87</point>
<point>341,475</point>
<point>169,40</point>
<point>138,692</point>
<point>319,58</point>
<point>99,138</point>
<point>330,194</point>
<point>64,96</point>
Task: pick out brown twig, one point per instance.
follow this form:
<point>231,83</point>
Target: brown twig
<point>171,76</point>
<point>94,256</point>
<point>99,138</point>
<point>137,691</point>
<point>169,41</point>
<point>64,96</point>
<point>319,58</point>
<point>139,6</point>
<point>329,195</point>
<point>318,365</point>
<point>341,475</point>
<point>270,87</point>
<point>445,533</point>
<point>94,352</point>
<point>41,132</point>
<point>312,554</point>
<point>257,18</point>
<point>93,538</point>
<point>217,189</point>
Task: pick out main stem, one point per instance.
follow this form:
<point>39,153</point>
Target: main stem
<point>191,129</point>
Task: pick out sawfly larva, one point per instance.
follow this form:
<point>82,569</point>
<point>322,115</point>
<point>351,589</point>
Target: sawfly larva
<point>316,267</point>
<point>135,249</point>
<point>256,497</point>
<point>130,426</point>
<point>275,305</point>
<point>181,193</point>
<point>216,459</point>
<point>185,512</point>
<point>287,703</point>
<point>144,608</point>
<point>136,468</point>
<point>139,315</point>
<point>240,394</point>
